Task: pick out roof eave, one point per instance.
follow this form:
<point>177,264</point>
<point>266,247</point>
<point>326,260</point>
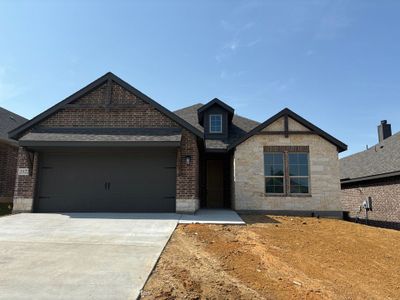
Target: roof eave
<point>340,145</point>
<point>370,177</point>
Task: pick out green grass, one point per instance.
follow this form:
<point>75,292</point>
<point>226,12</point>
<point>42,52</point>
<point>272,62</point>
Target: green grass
<point>5,209</point>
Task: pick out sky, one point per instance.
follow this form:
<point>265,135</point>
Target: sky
<point>336,63</point>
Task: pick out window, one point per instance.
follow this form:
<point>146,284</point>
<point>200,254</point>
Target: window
<point>215,123</point>
<point>286,172</point>
<point>274,173</point>
<point>298,173</point>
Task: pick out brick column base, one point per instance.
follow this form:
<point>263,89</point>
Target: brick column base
<point>22,205</point>
<point>6,199</point>
<point>187,206</point>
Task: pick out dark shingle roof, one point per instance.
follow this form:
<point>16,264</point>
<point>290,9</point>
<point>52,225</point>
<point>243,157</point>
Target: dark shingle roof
<point>382,158</point>
<point>239,127</point>
<point>9,121</point>
<point>109,135</point>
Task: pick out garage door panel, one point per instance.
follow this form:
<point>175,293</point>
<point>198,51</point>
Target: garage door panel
<point>136,180</point>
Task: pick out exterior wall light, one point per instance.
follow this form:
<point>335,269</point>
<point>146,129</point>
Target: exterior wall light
<point>188,159</point>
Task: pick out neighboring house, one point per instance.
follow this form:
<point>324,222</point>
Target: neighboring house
<point>109,147</point>
<point>374,173</point>
<point>8,154</point>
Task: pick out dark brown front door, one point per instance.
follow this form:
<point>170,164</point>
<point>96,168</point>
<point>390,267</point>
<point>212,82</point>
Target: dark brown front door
<point>215,184</point>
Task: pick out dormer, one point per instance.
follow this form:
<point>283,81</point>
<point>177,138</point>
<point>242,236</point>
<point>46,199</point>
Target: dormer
<point>215,117</point>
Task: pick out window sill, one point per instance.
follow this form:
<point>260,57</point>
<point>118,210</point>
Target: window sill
<point>288,195</point>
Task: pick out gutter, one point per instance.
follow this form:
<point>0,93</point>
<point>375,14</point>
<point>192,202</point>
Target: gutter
<point>371,177</point>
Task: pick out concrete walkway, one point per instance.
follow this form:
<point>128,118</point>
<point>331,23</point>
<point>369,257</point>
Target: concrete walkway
<point>213,216</point>
<point>80,256</point>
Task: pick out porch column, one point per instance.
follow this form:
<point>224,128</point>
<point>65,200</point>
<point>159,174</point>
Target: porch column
<point>25,180</point>
<point>187,177</point>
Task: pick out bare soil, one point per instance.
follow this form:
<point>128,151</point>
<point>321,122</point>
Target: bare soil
<point>278,258</point>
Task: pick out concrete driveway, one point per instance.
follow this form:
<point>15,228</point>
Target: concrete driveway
<point>80,256</point>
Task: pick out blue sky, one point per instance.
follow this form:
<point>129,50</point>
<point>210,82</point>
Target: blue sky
<point>336,63</point>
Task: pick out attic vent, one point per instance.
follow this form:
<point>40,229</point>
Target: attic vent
<point>12,118</point>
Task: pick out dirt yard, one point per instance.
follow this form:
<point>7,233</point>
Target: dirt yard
<point>278,258</point>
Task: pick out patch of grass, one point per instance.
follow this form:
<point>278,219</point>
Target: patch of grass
<point>5,209</point>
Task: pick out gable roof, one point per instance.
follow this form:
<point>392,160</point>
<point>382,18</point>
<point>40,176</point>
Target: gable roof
<point>238,128</point>
<point>380,160</point>
<point>218,102</point>
<point>287,112</point>
<point>108,76</point>
<point>9,121</point>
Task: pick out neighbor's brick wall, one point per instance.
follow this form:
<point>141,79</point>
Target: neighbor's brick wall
<point>8,168</point>
<point>25,184</point>
<point>385,195</point>
<point>137,114</point>
<point>249,174</point>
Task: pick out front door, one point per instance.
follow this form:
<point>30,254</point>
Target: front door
<point>215,183</point>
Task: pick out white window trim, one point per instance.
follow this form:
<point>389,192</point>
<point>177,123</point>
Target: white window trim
<point>209,123</point>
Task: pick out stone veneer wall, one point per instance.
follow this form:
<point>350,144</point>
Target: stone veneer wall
<point>324,175</point>
<point>139,115</point>
<point>385,195</point>
<point>8,169</point>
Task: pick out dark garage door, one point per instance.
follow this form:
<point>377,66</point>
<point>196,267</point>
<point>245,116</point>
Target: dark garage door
<point>141,180</point>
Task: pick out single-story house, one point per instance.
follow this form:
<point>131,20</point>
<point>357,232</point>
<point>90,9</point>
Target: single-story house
<point>8,154</point>
<point>110,148</point>
<point>374,173</point>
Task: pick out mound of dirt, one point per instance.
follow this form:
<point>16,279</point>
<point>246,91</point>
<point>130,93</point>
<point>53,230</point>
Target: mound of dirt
<point>278,258</point>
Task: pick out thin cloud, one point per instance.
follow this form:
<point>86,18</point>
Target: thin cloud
<point>310,52</point>
<point>224,74</point>
<point>7,90</point>
<point>236,42</point>
<point>332,24</point>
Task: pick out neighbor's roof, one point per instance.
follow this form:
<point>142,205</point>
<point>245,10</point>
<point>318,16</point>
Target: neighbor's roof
<point>240,126</point>
<point>380,160</point>
<point>9,121</point>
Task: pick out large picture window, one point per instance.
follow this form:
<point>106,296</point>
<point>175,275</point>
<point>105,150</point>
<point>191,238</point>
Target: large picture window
<point>286,172</point>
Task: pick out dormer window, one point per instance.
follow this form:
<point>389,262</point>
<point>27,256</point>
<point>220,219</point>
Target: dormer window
<point>215,123</point>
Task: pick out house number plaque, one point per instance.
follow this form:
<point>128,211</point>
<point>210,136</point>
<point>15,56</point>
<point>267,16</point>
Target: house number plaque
<point>23,171</point>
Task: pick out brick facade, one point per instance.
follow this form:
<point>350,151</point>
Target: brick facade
<point>385,195</point>
<point>8,167</point>
<point>131,112</point>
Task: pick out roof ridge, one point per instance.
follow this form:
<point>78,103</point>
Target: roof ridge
<point>186,107</point>
<point>12,113</point>
<point>240,116</point>
<point>371,148</point>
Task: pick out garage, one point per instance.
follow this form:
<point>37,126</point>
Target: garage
<point>107,180</point>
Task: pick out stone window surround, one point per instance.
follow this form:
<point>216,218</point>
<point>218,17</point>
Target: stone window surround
<point>286,150</point>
